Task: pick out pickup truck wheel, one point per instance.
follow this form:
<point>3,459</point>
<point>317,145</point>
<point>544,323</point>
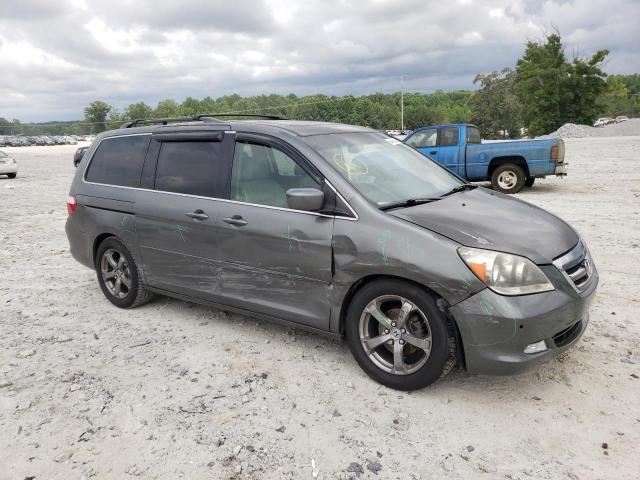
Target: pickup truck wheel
<point>529,181</point>
<point>508,178</point>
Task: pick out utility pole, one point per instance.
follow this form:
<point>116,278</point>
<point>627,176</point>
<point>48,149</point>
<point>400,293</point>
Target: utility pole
<point>401,103</point>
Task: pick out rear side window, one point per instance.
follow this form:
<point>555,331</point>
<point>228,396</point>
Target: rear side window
<point>118,161</point>
<point>473,135</point>
<point>448,136</point>
<point>188,167</point>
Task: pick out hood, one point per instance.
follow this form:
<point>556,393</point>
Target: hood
<point>486,219</point>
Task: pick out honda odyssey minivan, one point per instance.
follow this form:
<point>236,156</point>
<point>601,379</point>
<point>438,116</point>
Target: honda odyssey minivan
<point>333,228</point>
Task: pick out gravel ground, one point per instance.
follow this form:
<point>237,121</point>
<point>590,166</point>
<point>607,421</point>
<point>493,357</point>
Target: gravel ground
<point>175,390</point>
<point>628,128</point>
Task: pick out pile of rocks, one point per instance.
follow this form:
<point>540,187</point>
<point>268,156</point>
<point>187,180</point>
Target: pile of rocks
<point>630,127</point>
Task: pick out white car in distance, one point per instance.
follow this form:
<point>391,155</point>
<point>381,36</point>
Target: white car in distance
<point>8,165</point>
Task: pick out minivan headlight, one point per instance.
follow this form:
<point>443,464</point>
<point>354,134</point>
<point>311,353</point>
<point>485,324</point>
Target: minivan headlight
<point>504,273</point>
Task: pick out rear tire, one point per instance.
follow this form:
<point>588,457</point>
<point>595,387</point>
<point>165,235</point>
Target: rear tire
<point>404,344</point>
<point>118,275</point>
<point>12,175</point>
<point>508,178</point>
<point>529,181</point>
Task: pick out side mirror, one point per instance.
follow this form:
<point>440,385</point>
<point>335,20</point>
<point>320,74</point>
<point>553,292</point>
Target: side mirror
<point>307,199</point>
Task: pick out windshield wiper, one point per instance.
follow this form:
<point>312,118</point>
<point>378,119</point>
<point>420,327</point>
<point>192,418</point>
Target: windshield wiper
<point>460,188</point>
<point>408,203</point>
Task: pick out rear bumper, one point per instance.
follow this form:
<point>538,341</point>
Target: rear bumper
<point>80,244</point>
<point>496,329</point>
<point>561,169</point>
<point>8,168</point>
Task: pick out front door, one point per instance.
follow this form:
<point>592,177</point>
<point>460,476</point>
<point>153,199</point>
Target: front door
<point>448,149</point>
<point>176,215</point>
<point>274,260</point>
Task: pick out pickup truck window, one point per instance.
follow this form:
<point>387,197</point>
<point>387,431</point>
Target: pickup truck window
<point>473,135</point>
<point>448,136</point>
<point>382,169</point>
<point>424,138</point>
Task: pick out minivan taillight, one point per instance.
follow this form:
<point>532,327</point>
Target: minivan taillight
<point>555,151</point>
<point>71,204</point>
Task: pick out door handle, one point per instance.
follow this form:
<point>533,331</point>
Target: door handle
<point>197,215</point>
<point>236,220</point>
<point>433,152</point>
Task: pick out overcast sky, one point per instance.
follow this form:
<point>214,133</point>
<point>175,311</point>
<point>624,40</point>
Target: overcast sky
<point>58,56</point>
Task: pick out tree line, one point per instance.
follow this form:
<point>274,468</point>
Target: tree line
<point>544,90</point>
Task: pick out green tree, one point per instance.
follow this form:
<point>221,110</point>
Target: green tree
<point>496,108</point>
<point>552,90</point>
<point>96,114</point>
<point>138,110</point>
<point>166,109</point>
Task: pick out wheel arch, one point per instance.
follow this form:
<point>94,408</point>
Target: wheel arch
<point>513,159</point>
<point>443,306</point>
<point>97,241</point>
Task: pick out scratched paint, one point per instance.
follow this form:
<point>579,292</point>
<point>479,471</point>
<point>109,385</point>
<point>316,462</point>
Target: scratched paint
<point>180,230</point>
<point>290,237</point>
<point>485,307</point>
<point>383,240</point>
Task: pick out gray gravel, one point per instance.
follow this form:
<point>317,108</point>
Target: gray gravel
<point>175,390</point>
<point>623,129</point>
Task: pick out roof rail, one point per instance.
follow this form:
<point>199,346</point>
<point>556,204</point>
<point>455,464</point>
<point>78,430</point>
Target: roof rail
<point>203,117</point>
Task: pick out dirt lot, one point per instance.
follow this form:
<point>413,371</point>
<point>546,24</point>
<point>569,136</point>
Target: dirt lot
<point>174,390</point>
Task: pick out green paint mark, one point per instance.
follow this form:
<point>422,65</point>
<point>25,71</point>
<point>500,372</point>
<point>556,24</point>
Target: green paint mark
<point>290,237</point>
<point>468,282</point>
<point>409,248</point>
<point>180,230</point>
<point>383,240</point>
<point>485,307</point>
<point>123,222</point>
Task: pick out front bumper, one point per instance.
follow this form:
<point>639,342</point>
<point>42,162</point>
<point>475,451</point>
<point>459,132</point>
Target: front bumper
<point>496,329</point>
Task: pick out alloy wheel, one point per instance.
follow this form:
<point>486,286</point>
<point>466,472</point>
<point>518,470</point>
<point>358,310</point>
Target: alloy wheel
<point>116,273</point>
<point>395,334</point>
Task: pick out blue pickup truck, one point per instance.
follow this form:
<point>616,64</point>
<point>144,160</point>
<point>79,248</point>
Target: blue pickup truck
<point>509,165</point>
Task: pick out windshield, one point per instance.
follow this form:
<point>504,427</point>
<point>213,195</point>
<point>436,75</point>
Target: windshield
<point>381,168</point>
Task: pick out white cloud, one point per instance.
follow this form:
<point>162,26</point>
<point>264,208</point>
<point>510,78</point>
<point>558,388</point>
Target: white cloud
<point>59,56</point>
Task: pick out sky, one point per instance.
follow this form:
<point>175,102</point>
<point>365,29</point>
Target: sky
<point>58,56</point>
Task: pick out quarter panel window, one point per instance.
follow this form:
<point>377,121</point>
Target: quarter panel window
<point>118,161</point>
<point>473,135</point>
<point>424,138</point>
<point>188,167</point>
<point>262,175</point>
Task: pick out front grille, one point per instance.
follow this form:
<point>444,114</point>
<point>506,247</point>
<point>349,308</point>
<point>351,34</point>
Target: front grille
<point>577,267</point>
<point>566,336</point>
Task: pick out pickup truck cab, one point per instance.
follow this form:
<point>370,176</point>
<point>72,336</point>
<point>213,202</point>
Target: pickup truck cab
<point>509,166</point>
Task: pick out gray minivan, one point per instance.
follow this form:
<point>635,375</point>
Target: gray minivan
<point>333,228</point>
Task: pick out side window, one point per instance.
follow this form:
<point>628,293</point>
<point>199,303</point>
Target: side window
<point>118,161</point>
<point>473,135</point>
<point>262,175</point>
<point>188,167</point>
<point>424,138</point>
<point>449,136</point>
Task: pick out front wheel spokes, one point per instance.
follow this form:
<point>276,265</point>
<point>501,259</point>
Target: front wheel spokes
<point>370,344</point>
<point>373,310</point>
<point>421,343</point>
<point>398,358</point>
<point>407,308</point>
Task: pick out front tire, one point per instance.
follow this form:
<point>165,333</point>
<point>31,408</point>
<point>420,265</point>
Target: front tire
<point>118,275</point>
<point>508,178</point>
<point>397,335</point>
<point>529,181</point>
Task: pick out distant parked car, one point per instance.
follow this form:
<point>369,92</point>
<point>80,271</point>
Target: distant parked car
<point>8,165</point>
<point>601,122</point>
<point>621,118</point>
<point>77,157</point>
